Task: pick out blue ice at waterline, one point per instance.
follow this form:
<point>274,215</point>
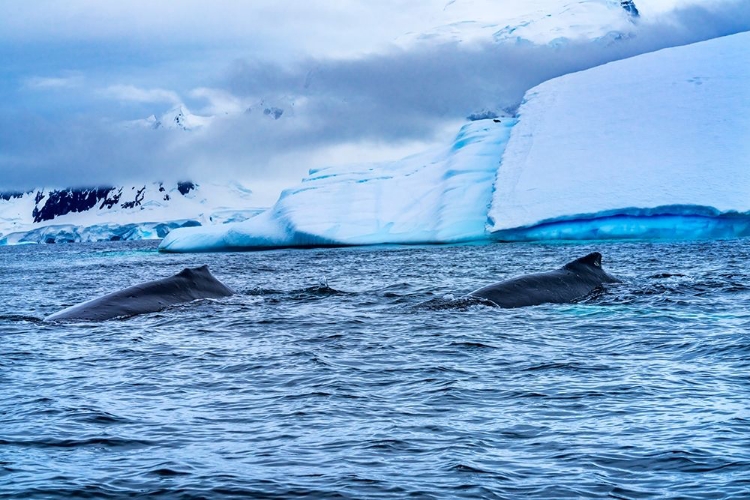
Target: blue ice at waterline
<point>661,223</point>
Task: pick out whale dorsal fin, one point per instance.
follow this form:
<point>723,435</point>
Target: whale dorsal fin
<point>593,259</point>
<point>188,272</point>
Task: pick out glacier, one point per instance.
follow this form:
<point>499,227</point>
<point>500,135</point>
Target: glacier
<point>134,212</point>
<point>655,146</point>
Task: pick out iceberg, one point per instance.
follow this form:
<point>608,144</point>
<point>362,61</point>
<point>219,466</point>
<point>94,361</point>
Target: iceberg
<point>434,197</point>
<point>656,146</point>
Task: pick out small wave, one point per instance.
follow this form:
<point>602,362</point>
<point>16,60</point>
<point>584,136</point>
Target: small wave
<point>20,318</point>
<point>93,416</point>
<point>663,276</point>
<point>316,291</point>
<point>264,489</point>
<point>468,469</point>
<point>674,460</point>
<point>77,443</point>
<point>312,292</point>
<point>669,288</point>
<point>523,432</point>
<point>258,291</point>
<point>567,366</point>
<point>167,472</point>
<point>389,445</point>
<point>471,345</point>
<point>307,395</point>
<point>449,303</point>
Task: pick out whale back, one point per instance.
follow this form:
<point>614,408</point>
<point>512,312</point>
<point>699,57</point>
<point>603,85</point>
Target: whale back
<point>573,281</point>
<point>185,286</point>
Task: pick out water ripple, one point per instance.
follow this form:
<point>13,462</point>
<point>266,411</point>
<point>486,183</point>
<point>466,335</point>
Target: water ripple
<point>367,373</point>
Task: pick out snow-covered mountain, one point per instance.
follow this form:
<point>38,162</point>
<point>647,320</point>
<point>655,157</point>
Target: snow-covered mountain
<point>177,118</point>
<point>529,22</point>
<point>655,146</point>
<point>145,211</point>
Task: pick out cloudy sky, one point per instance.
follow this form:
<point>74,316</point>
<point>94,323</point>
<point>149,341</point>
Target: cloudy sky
<point>357,80</point>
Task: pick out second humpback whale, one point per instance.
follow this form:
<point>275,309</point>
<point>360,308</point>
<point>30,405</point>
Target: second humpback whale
<point>573,281</point>
<point>185,286</point>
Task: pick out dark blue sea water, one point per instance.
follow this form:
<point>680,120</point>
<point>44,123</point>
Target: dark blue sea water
<point>325,377</point>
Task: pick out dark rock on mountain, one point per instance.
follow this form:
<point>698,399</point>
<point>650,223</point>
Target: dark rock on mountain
<point>629,5</point>
<point>185,187</point>
<point>63,202</point>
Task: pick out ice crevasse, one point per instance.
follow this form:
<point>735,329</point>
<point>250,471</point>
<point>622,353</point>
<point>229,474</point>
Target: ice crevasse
<point>655,146</point>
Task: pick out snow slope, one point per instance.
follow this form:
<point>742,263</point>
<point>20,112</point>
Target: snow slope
<point>531,21</point>
<point>434,197</point>
<point>146,211</point>
<point>655,145</point>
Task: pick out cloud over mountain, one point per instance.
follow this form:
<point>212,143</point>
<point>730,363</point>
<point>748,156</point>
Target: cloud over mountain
<point>274,116</point>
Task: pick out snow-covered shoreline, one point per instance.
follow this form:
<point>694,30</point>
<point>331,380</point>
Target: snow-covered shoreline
<point>143,211</point>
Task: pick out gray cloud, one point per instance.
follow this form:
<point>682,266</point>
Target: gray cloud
<point>137,94</point>
<point>66,81</point>
<point>393,94</point>
<point>392,97</point>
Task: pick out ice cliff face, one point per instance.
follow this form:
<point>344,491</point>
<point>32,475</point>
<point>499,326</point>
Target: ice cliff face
<point>117,213</point>
<point>435,197</point>
<point>655,146</point>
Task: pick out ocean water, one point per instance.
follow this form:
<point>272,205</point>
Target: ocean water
<point>362,373</point>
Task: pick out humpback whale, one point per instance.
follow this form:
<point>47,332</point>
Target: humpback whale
<point>573,281</point>
<point>185,286</point>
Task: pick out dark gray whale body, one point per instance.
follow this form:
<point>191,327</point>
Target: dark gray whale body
<point>185,286</point>
<point>573,281</point>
